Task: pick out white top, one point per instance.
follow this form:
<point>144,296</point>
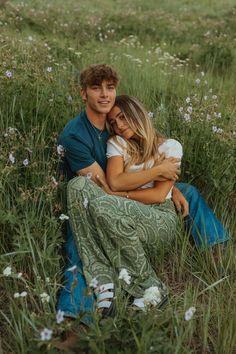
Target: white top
<point>170,147</point>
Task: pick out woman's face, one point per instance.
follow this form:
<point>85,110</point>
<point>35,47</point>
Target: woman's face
<point>119,124</point>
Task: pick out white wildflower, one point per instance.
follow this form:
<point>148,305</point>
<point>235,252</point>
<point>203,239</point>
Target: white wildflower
<point>197,81</point>
<point>219,115</point>
<point>47,280</point>
<point>60,149</point>
<point>85,202</point>
<point>94,283</point>
<point>12,130</point>
<point>206,82</point>
<point>150,114</point>
<point>152,296</point>
<point>60,316</point>
<point>23,294</point>
<point>30,38</point>
<point>25,162</point>
<point>124,275</point>
<point>8,74</point>
<point>16,295</point>
<point>69,98</point>
<point>217,130</point>
<point>63,217</point>
<point>19,275</point>
<point>189,313</point>
<point>187,100</point>
<point>190,109</point>
<point>202,73</point>
<point>214,97</point>
<point>45,297</point>
<point>187,117</point>
<point>208,117</point>
<point>49,69</point>
<point>7,271</point>
<point>205,98</point>
<point>181,109</point>
<point>12,158</point>
<point>46,334</point>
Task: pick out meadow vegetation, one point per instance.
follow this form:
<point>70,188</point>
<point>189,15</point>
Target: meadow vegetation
<point>179,59</point>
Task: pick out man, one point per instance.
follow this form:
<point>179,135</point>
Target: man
<point>84,140</point>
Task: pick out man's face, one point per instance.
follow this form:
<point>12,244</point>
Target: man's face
<point>99,98</point>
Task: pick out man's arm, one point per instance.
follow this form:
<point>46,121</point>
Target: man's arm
<point>92,171</point>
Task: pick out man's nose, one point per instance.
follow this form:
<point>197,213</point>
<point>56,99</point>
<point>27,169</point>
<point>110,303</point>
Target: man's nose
<point>104,92</point>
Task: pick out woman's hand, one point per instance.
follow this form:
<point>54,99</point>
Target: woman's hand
<point>170,169</point>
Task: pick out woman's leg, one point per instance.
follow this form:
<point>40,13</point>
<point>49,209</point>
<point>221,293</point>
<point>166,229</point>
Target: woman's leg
<point>204,226</point>
<point>111,233</point>
<point>129,229</point>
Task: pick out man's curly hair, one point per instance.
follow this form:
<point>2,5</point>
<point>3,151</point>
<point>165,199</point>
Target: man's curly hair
<point>95,74</point>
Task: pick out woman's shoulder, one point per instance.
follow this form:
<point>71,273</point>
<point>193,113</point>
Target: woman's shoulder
<point>171,147</point>
<point>171,142</point>
<point>117,140</point>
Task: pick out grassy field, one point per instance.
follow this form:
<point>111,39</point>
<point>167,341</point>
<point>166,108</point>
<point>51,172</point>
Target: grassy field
<point>172,55</point>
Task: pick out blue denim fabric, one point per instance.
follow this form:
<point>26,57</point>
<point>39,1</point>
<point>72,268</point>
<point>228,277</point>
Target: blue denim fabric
<point>202,223</point>
<point>205,228</point>
<point>73,297</point>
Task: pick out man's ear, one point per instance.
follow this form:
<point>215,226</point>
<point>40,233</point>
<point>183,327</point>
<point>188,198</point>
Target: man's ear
<point>83,94</point>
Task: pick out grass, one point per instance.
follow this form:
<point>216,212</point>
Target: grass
<point>161,51</point>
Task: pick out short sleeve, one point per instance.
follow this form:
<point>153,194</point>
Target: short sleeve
<point>171,148</point>
<point>77,152</point>
<point>116,147</point>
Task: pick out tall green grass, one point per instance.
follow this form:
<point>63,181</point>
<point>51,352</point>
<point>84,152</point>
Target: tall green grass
<point>160,50</point>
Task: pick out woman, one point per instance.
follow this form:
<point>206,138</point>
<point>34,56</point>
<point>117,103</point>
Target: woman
<point>110,243</point>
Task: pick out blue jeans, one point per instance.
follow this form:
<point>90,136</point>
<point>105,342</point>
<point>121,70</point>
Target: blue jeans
<point>206,229</point>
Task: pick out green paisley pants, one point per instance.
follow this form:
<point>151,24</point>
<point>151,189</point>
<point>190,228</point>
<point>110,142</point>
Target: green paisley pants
<point>114,233</point>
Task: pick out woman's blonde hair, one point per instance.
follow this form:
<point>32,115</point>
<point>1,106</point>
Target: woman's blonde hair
<point>146,147</point>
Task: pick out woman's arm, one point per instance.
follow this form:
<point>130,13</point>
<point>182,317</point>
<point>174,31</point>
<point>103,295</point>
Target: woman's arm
<point>152,195</point>
<point>119,180</point>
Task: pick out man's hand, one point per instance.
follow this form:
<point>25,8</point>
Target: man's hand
<point>180,202</point>
<point>170,169</point>
<point>103,184</point>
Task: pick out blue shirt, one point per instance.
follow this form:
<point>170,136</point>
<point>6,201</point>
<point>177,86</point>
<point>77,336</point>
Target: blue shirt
<point>84,144</point>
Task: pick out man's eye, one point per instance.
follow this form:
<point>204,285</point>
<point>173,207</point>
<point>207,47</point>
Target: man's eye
<point>111,87</point>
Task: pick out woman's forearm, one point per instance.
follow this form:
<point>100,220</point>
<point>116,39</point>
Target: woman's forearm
<point>133,180</point>
<point>153,195</point>
<point>119,180</point>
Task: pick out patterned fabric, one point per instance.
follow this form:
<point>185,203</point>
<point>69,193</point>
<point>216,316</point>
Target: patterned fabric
<point>114,233</point>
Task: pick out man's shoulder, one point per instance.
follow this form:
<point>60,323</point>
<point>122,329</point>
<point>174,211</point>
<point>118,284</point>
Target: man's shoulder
<point>76,127</point>
<point>73,124</point>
